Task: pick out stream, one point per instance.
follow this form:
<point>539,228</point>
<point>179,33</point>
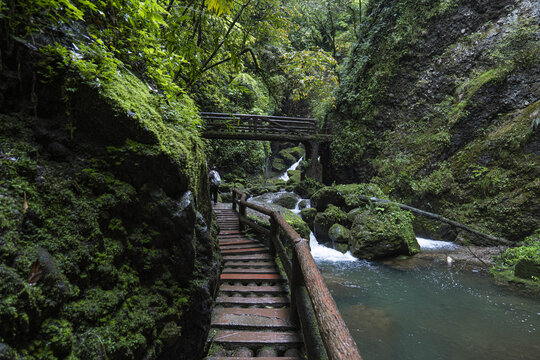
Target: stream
<point>427,310</point>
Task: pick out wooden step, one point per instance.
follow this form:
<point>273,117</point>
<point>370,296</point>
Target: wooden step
<point>257,338</point>
<point>253,245</point>
<point>240,318</point>
<point>252,301</point>
<point>245,289</point>
<point>246,251</point>
<point>253,277</point>
<point>230,270</point>
<point>250,257</point>
<point>252,358</point>
<point>238,242</point>
<point>250,264</point>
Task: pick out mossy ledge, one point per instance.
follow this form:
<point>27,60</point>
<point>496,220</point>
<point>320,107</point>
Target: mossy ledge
<point>116,216</point>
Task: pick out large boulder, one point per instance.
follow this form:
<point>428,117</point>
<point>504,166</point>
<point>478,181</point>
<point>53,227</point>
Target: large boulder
<point>339,234</point>
<point>308,215</point>
<point>324,221</point>
<point>344,196</point>
<point>383,231</point>
<point>287,200</point>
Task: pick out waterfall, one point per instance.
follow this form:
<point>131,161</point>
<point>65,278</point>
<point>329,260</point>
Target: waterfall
<point>285,176</point>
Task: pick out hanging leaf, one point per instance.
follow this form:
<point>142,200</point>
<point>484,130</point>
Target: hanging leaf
<point>25,203</point>
<point>35,273</point>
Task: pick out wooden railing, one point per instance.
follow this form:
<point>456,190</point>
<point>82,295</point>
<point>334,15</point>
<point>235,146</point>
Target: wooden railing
<point>325,334</point>
<point>246,126</point>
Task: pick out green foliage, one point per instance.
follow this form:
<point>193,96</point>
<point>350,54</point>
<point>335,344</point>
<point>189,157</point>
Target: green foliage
<point>529,250</point>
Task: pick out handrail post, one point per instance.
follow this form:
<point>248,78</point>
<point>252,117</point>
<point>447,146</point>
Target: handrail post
<point>242,211</point>
<point>233,199</point>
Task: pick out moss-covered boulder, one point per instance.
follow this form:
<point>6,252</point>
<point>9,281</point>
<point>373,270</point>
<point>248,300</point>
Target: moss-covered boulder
<point>302,204</point>
<point>287,158</point>
<point>296,151</point>
<point>324,221</point>
<point>307,187</point>
<point>345,196</point>
<point>382,231</point>
<point>287,200</point>
<point>297,223</point>
<point>339,234</point>
<point>294,177</point>
<point>278,165</point>
<point>308,215</point>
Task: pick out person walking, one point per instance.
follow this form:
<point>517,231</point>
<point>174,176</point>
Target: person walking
<point>215,181</point>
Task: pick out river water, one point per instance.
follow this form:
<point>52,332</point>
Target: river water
<point>429,310</point>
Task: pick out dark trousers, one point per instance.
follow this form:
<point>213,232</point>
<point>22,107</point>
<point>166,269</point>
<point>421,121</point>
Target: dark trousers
<point>213,193</point>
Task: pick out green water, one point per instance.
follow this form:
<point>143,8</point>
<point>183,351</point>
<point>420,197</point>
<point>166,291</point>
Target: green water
<point>432,312</point>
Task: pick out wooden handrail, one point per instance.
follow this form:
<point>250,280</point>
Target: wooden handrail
<point>301,271</point>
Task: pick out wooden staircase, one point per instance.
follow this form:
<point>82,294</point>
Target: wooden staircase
<point>251,318</point>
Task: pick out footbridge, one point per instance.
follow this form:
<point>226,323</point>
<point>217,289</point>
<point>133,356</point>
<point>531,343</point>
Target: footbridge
<point>270,128</point>
<point>270,311</point>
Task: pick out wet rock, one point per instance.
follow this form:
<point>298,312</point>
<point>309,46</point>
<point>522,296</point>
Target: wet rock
<point>383,232</point>
<point>278,165</point>
<point>302,204</point>
<point>308,215</point>
<point>339,234</point>
<point>288,201</point>
<point>325,220</point>
<point>288,159</point>
<point>58,150</point>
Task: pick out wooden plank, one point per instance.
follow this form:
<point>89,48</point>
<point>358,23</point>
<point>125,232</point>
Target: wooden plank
<point>253,250</point>
<point>257,338</point>
<point>274,289</point>
<point>243,318</point>
<point>239,242</point>
<point>260,264</point>
<point>248,257</point>
<point>257,301</point>
<point>229,270</point>
<point>252,358</point>
<point>252,245</point>
<point>252,277</point>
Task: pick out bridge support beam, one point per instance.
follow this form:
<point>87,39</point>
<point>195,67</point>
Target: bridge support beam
<point>314,170</point>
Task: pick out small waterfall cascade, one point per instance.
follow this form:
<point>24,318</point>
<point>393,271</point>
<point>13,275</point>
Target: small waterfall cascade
<point>285,176</point>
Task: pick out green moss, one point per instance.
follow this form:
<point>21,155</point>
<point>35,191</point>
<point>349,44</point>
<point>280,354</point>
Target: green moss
<point>332,215</point>
<point>297,223</point>
<point>288,159</point>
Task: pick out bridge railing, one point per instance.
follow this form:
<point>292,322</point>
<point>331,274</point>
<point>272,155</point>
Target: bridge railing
<point>246,123</point>
<point>310,298</point>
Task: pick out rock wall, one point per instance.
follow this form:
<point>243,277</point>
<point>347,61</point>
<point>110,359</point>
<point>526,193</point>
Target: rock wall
<point>107,243</point>
<point>439,106</point>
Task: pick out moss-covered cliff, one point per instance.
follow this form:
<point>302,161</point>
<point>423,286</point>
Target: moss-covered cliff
<point>439,106</point>
<point>107,243</point>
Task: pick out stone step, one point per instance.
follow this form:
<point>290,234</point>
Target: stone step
<point>241,318</point>
<point>252,301</point>
<point>252,339</point>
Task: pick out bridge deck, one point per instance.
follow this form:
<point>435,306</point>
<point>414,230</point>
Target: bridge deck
<point>251,317</point>
<point>260,127</point>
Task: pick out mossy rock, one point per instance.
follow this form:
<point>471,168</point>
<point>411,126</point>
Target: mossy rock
<point>342,248</point>
<point>296,151</point>
<point>339,234</point>
<point>526,269</point>
<point>287,200</point>
<point>294,177</point>
<point>345,196</point>
<point>297,223</point>
<point>306,188</point>
<point>58,335</point>
<point>278,165</point>
<point>308,215</point>
<point>302,204</point>
<point>381,232</point>
<point>324,221</point>
<point>288,159</point>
